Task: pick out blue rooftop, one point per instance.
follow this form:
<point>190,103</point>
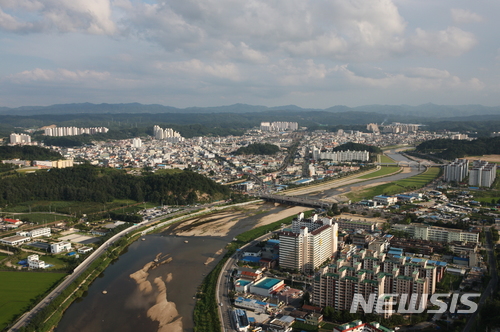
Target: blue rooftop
<point>267,283</point>
<point>251,259</point>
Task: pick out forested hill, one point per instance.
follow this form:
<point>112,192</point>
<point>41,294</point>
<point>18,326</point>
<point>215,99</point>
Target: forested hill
<point>88,183</point>
<point>357,147</point>
<point>258,148</point>
<point>450,149</point>
<point>28,153</point>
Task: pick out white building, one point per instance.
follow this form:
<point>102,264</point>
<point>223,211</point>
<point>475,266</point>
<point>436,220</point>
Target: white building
<point>482,174</point>
<point>59,247</point>
<point>340,156</point>
<point>279,126</point>
<point>84,250</point>
<point>19,138</point>
<point>457,170</point>
<point>44,231</point>
<point>15,240</point>
<point>35,263</point>
<point>136,143</point>
<point>385,200</point>
<point>308,244</point>
<point>73,131</point>
<point>168,134</point>
<point>439,234</point>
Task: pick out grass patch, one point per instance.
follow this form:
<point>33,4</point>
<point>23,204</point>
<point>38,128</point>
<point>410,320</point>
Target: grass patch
<point>396,187</point>
<point>386,160</point>
<point>385,170</point>
<point>20,289</point>
<point>39,217</point>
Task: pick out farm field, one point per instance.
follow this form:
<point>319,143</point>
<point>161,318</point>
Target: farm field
<point>408,184</point>
<point>385,170</point>
<point>19,289</point>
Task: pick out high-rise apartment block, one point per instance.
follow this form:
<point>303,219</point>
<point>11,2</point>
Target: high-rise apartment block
<point>339,156</point>
<point>19,138</point>
<point>308,243</point>
<point>482,174</point>
<point>167,134</point>
<point>73,131</point>
<point>456,170</point>
<point>369,272</point>
<point>279,126</point>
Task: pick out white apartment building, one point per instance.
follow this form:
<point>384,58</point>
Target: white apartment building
<point>56,248</point>
<point>35,263</point>
<point>19,138</point>
<point>278,126</point>
<point>340,156</point>
<point>73,131</point>
<point>167,134</point>
<point>308,244</point>
<point>482,174</point>
<point>440,234</point>
<point>136,143</point>
<point>456,170</point>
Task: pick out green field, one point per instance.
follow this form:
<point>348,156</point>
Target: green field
<point>386,160</point>
<point>385,170</point>
<point>19,289</point>
<point>408,184</point>
<point>37,217</point>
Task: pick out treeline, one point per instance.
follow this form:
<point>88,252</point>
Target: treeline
<point>89,183</point>
<point>450,149</point>
<point>28,152</point>
<point>258,148</point>
<point>357,147</point>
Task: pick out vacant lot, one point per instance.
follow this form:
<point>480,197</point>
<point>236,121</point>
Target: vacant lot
<point>19,289</point>
<point>494,158</point>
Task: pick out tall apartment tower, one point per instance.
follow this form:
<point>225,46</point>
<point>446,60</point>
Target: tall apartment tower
<point>482,174</point>
<point>308,244</point>
<point>456,170</point>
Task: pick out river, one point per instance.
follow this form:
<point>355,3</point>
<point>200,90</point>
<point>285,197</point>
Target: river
<point>124,308</point>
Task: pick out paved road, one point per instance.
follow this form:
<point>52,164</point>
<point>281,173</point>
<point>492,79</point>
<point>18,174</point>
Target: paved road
<point>224,286</point>
<point>491,285</point>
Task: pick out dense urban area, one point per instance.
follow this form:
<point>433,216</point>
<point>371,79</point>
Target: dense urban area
<point>389,210</point>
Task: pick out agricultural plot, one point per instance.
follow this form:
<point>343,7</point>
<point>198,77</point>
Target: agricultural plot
<point>19,289</point>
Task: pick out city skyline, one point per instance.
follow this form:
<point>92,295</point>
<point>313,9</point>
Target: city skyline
<point>310,53</point>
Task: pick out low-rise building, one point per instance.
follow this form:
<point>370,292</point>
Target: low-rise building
<point>35,263</point>
<point>15,240</point>
<point>60,247</point>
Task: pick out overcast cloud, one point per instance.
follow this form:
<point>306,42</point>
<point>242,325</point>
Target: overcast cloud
<point>312,53</point>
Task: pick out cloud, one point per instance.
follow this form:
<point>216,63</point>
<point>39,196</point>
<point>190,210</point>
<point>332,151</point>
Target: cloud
<point>465,16</point>
<point>450,42</point>
<point>197,68</point>
<point>59,75</point>
<point>91,16</point>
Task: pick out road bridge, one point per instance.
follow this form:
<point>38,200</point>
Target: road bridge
<point>297,201</point>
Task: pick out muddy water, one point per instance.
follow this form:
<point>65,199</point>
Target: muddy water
<point>124,308</point>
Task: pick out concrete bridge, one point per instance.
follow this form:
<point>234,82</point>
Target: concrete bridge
<point>296,201</point>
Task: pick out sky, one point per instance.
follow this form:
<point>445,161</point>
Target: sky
<point>309,53</point>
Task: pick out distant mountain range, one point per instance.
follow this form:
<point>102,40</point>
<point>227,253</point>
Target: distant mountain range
<point>443,112</point>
